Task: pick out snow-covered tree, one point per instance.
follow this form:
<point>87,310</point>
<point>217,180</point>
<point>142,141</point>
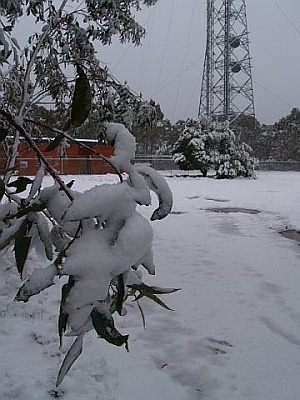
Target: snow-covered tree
<point>96,240</point>
<point>212,146</point>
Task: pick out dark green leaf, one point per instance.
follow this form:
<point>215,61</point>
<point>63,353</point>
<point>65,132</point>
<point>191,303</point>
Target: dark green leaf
<point>54,143</point>
<point>151,291</point>
<point>105,328</point>
<point>2,188</point>
<point>70,184</point>
<point>81,104</point>
<point>159,290</point>
<point>142,312</point>
<point>20,184</point>
<point>120,294</point>
<point>22,245</point>
<point>71,356</point>
<point>63,316</point>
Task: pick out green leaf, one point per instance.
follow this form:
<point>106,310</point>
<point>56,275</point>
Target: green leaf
<point>71,356</point>
<point>105,328</point>
<point>2,188</point>
<point>120,294</point>
<point>70,184</point>
<point>159,290</point>
<point>22,245</point>
<point>20,184</point>
<point>81,104</point>
<point>54,143</point>
<point>151,291</point>
<point>63,316</point>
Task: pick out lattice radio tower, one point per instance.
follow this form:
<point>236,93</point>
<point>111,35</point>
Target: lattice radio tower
<point>227,90</point>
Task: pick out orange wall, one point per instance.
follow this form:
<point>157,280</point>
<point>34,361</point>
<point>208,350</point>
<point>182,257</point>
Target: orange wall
<point>76,160</point>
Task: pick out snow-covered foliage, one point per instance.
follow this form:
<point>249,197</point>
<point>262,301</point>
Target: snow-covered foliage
<point>100,240</point>
<point>213,146</point>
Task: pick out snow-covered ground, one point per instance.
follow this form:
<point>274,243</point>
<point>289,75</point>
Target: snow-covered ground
<point>235,331</point>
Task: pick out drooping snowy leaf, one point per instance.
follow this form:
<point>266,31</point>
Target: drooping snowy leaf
<point>58,238</point>
<point>159,185</point>
<point>124,145</point>
<point>81,104</point>
<point>44,234</point>
<point>40,279</point>
<point>105,328</point>
<point>9,233</point>
<point>102,202</point>
<point>71,356</point>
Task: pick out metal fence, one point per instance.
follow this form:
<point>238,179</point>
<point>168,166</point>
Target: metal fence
<point>158,162</point>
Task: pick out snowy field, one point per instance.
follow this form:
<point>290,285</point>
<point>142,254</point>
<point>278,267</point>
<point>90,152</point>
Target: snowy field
<point>235,331</point>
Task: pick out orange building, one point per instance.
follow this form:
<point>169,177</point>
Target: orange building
<point>67,160</point>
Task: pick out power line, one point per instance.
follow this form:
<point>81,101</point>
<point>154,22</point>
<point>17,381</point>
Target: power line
<point>130,45</point>
<point>165,44</point>
<point>286,16</point>
<point>184,57</point>
<point>176,77</point>
<point>273,94</point>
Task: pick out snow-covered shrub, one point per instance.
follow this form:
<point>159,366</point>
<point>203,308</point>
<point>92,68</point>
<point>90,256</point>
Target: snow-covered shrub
<point>189,151</point>
<point>212,146</point>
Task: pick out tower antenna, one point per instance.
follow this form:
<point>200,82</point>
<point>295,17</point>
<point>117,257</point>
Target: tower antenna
<point>227,88</point>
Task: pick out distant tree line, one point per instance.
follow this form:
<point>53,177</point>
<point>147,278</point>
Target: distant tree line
<point>280,141</point>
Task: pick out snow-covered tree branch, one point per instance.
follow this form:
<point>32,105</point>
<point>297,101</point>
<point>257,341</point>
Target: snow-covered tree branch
<point>96,240</point>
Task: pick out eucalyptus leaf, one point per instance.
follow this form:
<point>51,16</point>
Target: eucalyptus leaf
<point>105,328</point>
<point>40,279</point>
<point>120,294</point>
<point>81,104</point>
<point>63,316</point>
<point>20,184</point>
<point>54,143</point>
<point>22,245</point>
<point>71,356</point>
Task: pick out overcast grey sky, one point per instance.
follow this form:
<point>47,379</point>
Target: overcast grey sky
<point>168,66</point>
